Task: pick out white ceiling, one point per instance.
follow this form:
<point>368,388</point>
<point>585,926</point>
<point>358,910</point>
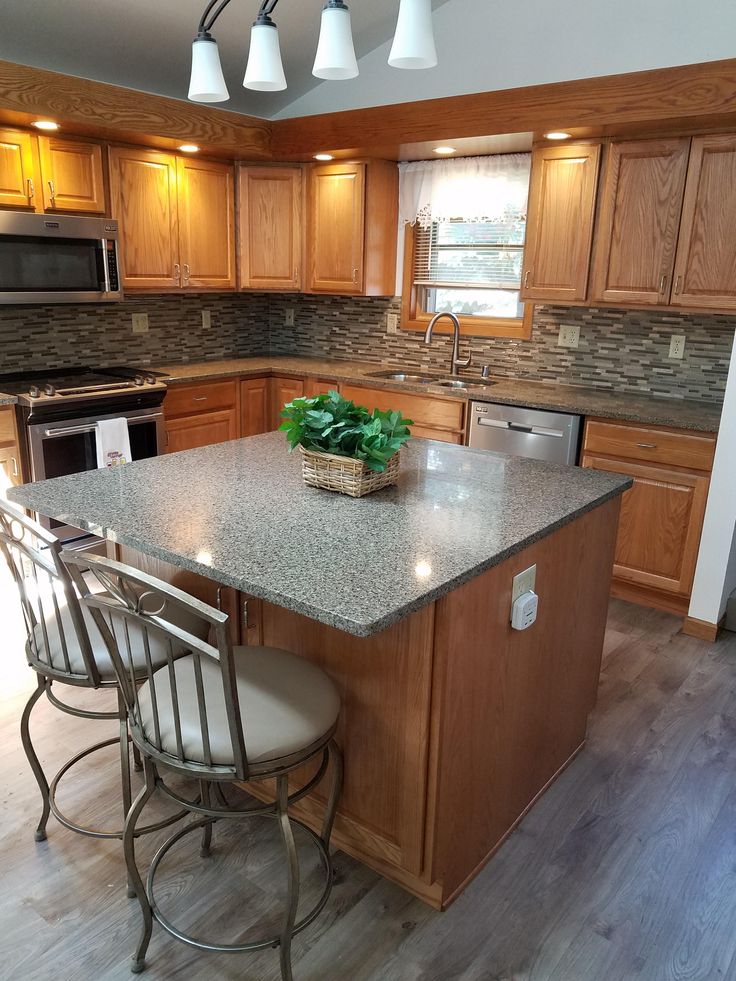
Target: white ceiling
<point>146,44</point>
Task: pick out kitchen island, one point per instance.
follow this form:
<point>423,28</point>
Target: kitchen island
<point>453,723</point>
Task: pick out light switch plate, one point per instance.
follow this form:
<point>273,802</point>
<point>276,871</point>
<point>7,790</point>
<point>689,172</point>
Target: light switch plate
<point>289,317</point>
<point>392,323</point>
<point>569,336</point>
<point>523,582</point>
<point>677,346</point>
<point>206,319</point>
<point>140,323</point>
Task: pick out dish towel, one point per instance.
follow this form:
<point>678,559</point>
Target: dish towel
<point>113,443</point>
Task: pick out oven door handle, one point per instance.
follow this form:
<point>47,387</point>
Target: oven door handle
<point>76,430</point>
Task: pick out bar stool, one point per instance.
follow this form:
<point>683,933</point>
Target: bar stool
<point>218,714</point>
<point>64,647</point>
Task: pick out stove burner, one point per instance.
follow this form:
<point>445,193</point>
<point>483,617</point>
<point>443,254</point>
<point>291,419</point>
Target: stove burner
<point>32,387</point>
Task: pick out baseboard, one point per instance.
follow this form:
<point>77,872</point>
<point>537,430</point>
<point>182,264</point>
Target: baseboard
<point>654,598</point>
<point>702,629</point>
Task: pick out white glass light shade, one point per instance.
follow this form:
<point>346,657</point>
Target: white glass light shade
<point>207,83</point>
<point>335,56</point>
<point>413,45</point>
<point>265,70</point>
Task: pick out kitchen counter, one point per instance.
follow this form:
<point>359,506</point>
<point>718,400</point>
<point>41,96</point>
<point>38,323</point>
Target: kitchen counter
<point>629,406</point>
<point>359,565</point>
<point>8,399</point>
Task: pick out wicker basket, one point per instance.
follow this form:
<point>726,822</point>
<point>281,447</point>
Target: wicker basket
<point>345,474</point>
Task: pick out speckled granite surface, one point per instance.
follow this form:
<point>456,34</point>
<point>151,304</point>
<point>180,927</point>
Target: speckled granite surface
<point>7,399</point>
<point>240,513</point>
<point>687,414</point>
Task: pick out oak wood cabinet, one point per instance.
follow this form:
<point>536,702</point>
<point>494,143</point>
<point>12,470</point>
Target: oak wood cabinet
<point>255,406</point>
<point>434,418</point>
<point>319,386</point>
<point>10,460</point>
<point>270,204</point>
<point>352,215</point>
<point>177,220</point>
<point>283,390</point>
<point>639,219</point>
<point>662,514</point>
<point>562,199</point>
<point>18,171</point>
<point>201,414</point>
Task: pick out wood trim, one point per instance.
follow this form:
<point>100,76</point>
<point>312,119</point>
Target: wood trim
<point>702,629</point>
<point>645,596</point>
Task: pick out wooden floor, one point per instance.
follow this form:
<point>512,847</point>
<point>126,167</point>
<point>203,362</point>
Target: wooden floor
<point>625,870</point>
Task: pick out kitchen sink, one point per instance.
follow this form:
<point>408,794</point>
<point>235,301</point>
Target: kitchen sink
<point>403,376</point>
<point>390,374</point>
<point>466,383</point>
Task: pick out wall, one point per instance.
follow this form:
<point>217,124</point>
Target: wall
<point>486,46</point>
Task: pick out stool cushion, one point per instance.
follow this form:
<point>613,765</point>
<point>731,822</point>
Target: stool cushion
<point>286,704</point>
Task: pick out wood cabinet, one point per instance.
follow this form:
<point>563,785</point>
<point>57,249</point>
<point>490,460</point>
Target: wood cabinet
<point>10,461</point>
<point>351,229</point>
<point>662,514</point>
<point>283,390</point>
<point>639,219</point>
<point>319,386</point>
<point>562,200</point>
<point>270,203</point>
<point>18,172</point>
<point>201,414</point>
<point>434,418</point>
<point>255,406</point>
<point>176,218</point>
<point>72,175</point>
<point>705,268</point>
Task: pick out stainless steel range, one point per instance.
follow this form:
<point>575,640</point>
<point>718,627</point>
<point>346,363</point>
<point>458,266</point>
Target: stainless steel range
<point>58,412</point>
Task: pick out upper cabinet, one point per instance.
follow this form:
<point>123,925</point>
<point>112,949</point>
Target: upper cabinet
<point>560,223</point>
<point>176,219</point>
<point>40,173</point>
<point>270,227</point>
<point>639,218</point>
<point>705,267</point>
<point>351,229</point>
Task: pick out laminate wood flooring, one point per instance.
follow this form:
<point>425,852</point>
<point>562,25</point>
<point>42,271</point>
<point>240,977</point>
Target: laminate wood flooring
<point>624,871</point>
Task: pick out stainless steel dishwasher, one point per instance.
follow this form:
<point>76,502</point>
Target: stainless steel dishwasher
<point>536,433</point>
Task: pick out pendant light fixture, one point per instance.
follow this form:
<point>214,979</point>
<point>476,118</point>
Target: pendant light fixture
<point>413,47</point>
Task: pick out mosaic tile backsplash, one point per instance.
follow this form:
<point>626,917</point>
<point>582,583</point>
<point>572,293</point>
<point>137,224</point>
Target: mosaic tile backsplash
<point>621,350</point>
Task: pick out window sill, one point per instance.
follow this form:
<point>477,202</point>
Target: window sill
<point>520,328</point>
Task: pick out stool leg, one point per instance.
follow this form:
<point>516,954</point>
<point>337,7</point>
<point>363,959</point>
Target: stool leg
<point>137,761</point>
<point>205,794</point>
<point>335,791</point>
<point>125,772</point>
<point>292,896</point>
<point>134,877</point>
<point>25,738</point>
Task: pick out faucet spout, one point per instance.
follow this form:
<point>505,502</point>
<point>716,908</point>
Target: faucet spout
<point>456,361</point>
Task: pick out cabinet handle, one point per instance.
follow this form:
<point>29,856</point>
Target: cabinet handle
<point>296,274</point>
<point>355,276</point>
<point>52,190</point>
<point>177,273</point>
<point>219,598</point>
<point>186,274</point>
<point>663,283</point>
<point>678,284</point>
<point>647,446</point>
<point>14,462</point>
<point>246,625</point>
<point>527,274</point>
<point>31,189</point>
<point>199,398</point>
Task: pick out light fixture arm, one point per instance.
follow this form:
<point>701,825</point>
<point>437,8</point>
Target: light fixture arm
<point>207,22</point>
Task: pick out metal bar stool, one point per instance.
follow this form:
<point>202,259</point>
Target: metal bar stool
<point>219,714</point>
<point>64,647</point>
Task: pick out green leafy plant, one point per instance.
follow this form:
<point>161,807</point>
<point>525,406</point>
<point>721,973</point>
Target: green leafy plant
<point>331,424</point>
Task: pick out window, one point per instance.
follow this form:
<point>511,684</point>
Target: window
<point>465,248</point>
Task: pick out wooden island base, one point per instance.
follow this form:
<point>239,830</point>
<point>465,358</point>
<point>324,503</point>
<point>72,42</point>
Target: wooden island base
<point>454,724</point>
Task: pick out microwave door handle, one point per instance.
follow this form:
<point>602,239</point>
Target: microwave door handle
<point>106,265</point>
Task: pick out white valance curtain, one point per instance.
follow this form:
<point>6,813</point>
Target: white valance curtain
<point>469,188</point>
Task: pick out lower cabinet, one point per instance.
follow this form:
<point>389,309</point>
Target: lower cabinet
<point>434,418</point>
<point>254,406</point>
<point>662,514</point>
<point>10,462</point>
<point>283,390</point>
<point>319,386</point>
<point>201,414</point>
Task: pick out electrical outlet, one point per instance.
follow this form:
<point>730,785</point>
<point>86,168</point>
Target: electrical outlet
<point>140,323</point>
<point>569,336</point>
<point>206,319</point>
<point>677,346</point>
<point>523,582</point>
<point>392,323</point>
<point>289,317</point>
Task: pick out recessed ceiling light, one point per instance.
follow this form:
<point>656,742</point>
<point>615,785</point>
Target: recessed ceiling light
<point>323,156</point>
<point>557,134</point>
<point>189,148</point>
<point>444,151</point>
<point>45,124</point>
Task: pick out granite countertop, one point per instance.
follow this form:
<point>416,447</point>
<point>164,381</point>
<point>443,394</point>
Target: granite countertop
<point>239,513</point>
<point>8,399</point>
<point>628,406</point>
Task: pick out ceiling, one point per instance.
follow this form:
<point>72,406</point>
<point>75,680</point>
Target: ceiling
<point>146,44</point>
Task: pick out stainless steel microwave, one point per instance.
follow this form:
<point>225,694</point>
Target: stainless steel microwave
<point>58,259</point>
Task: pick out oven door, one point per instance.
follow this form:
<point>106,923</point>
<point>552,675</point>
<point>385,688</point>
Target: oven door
<point>57,449</point>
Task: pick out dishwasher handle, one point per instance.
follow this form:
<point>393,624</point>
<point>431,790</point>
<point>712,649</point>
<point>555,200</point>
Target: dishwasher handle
<point>519,428</point>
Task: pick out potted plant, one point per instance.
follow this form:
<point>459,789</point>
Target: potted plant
<point>345,447</point>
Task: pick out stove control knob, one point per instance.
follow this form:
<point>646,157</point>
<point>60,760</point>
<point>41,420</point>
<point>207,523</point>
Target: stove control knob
<point>150,379</point>
<point>49,390</point>
<point>138,380</point>
<point>35,392</point>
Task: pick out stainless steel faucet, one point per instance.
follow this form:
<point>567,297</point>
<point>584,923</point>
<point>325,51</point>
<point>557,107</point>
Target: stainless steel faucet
<point>457,361</point>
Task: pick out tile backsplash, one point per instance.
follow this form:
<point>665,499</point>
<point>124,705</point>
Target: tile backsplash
<point>619,349</point>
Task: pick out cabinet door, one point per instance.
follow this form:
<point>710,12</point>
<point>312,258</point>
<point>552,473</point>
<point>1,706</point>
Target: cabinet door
<point>660,526</point>
<point>254,406</point>
<point>10,474</point>
<point>206,224</point>
<point>72,175</point>
<point>705,270</point>
<point>283,390</point>
<point>335,228</point>
<point>560,223</point>
<point>203,429</point>
<point>18,178</point>
<point>639,219</point>
<point>319,386</point>
<point>143,193</point>
<point>434,418</point>
<point>270,216</point>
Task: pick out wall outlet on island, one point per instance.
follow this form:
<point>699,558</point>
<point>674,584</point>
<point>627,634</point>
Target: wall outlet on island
<point>569,336</point>
<point>140,323</point>
<point>677,346</point>
<point>392,323</point>
<point>289,317</point>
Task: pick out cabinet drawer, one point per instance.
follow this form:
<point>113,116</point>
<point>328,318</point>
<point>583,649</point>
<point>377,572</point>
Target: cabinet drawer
<point>185,400</point>
<point>427,413</point>
<point>651,444</point>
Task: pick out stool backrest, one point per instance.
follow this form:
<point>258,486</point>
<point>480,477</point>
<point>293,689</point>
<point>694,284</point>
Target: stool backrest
<point>172,622</point>
<point>58,642</point>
